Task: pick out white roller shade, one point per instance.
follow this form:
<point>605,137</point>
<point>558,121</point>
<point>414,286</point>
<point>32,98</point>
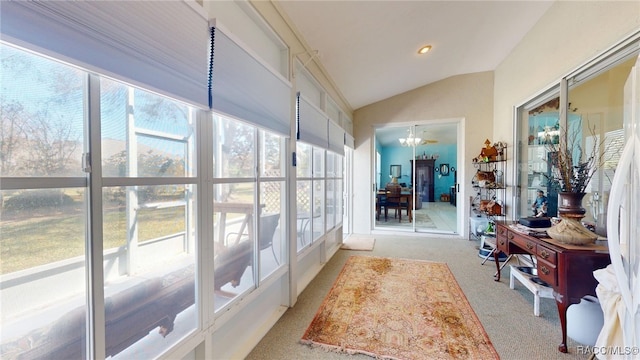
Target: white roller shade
<point>349,141</point>
<point>162,46</point>
<point>312,124</point>
<point>244,87</point>
<point>336,138</point>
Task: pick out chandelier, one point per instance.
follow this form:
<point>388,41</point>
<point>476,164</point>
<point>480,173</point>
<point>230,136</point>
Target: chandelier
<point>410,140</point>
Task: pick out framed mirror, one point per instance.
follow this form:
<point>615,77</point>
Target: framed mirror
<point>444,169</point>
<point>395,171</point>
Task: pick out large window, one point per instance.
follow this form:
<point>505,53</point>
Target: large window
<point>593,119</point>
<point>146,221</point>
<point>43,211</point>
<point>248,208</point>
<point>148,162</point>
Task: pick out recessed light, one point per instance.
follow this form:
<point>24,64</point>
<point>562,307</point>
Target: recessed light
<point>424,49</point>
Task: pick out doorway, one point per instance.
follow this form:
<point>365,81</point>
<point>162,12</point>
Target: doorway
<point>426,156</point>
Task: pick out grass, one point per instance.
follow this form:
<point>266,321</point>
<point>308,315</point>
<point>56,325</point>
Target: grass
<point>26,242</point>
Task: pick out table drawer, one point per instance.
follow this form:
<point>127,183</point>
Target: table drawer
<point>502,243</point>
<point>547,272</point>
<point>547,254</point>
<point>502,231</point>
<point>523,243</point>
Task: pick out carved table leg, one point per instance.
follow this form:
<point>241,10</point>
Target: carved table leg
<point>496,257</point>
<point>562,312</point>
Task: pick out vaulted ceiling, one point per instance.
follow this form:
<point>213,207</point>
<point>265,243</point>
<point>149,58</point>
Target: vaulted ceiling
<point>369,48</point>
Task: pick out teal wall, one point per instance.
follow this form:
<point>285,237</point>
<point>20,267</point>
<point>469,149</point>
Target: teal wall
<point>396,155</point>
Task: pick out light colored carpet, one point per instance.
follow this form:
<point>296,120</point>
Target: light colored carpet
<point>506,315</point>
<point>359,242</point>
<point>394,308</point>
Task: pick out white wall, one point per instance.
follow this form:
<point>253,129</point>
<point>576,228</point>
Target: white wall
<point>566,37</point>
<point>466,96</point>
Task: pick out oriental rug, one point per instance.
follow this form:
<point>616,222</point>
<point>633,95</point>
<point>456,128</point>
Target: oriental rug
<point>359,242</point>
<point>398,309</point>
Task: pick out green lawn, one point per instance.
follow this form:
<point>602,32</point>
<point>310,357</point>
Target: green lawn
<point>45,239</point>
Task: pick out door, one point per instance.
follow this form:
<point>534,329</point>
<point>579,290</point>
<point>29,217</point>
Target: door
<point>434,144</point>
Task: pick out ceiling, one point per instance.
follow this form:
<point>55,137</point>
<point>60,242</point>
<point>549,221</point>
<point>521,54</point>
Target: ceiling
<point>441,134</point>
<point>369,48</point>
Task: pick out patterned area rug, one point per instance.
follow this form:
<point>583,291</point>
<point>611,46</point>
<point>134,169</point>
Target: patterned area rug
<point>398,309</point>
<point>424,221</point>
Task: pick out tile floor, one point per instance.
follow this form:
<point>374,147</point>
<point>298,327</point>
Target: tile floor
<point>442,215</point>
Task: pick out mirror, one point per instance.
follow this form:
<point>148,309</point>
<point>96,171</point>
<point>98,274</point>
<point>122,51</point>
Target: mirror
<point>395,171</point>
<point>444,169</point>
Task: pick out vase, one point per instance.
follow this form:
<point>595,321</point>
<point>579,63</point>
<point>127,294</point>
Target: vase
<point>570,205</point>
<point>570,230</point>
<point>585,320</point>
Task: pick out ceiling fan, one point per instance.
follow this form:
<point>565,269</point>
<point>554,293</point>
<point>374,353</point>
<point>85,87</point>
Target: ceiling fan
<point>426,140</point>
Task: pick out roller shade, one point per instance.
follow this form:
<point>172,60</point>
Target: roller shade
<point>162,46</point>
<point>349,141</point>
<point>312,124</point>
<point>336,138</point>
<point>243,87</point>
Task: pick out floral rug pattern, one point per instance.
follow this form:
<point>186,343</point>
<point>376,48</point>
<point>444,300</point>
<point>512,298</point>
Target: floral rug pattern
<point>398,309</point>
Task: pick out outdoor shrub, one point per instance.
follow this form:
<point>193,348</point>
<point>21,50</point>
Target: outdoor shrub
<point>37,199</point>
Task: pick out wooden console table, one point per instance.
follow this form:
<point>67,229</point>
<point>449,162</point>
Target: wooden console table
<point>567,268</point>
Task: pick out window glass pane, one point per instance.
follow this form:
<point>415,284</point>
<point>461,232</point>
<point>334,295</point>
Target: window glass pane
<point>331,204</point>
<point>234,148</point>
<point>271,164</point>
<point>318,208</point>
<point>339,201</point>
<point>318,162</point>
<point>599,104</point>
<point>43,277</point>
<point>149,269</point>
<point>233,248</point>
<point>303,160</point>
<point>539,126</point>
<point>271,229</point>
<point>304,216</point>
<point>331,164</point>
<point>159,131</point>
<point>339,166</point>
<point>41,127</point>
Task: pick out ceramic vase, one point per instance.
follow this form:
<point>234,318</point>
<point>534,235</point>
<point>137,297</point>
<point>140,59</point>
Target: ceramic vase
<point>570,205</point>
<point>585,320</point>
<point>570,230</point>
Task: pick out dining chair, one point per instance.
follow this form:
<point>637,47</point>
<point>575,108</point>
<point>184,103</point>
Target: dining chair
<point>394,201</point>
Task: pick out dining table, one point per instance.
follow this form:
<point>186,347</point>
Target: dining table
<point>406,196</point>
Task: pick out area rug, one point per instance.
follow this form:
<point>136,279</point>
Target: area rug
<point>398,309</point>
<point>423,220</point>
<point>359,242</point>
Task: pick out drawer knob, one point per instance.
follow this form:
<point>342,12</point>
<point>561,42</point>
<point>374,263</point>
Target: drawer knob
<point>510,236</point>
<point>544,254</point>
<point>544,270</point>
<point>501,241</point>
<point>530,246</point>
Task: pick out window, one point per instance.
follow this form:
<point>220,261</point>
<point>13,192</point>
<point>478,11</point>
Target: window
<point>304,195</point>
<point>148,215</point>
<point>43,198</point>
<point>234,209</point>
<point>594,118</point>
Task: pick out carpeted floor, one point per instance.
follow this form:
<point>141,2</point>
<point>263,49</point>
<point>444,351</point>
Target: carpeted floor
<point>359,242</point>
<point>506,315</point>
<point>394,308</point>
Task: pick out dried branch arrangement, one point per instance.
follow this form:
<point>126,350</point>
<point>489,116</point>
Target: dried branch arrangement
<point>571,166</point>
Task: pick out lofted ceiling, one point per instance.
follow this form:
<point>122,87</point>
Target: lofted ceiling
<point>369,48</point>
